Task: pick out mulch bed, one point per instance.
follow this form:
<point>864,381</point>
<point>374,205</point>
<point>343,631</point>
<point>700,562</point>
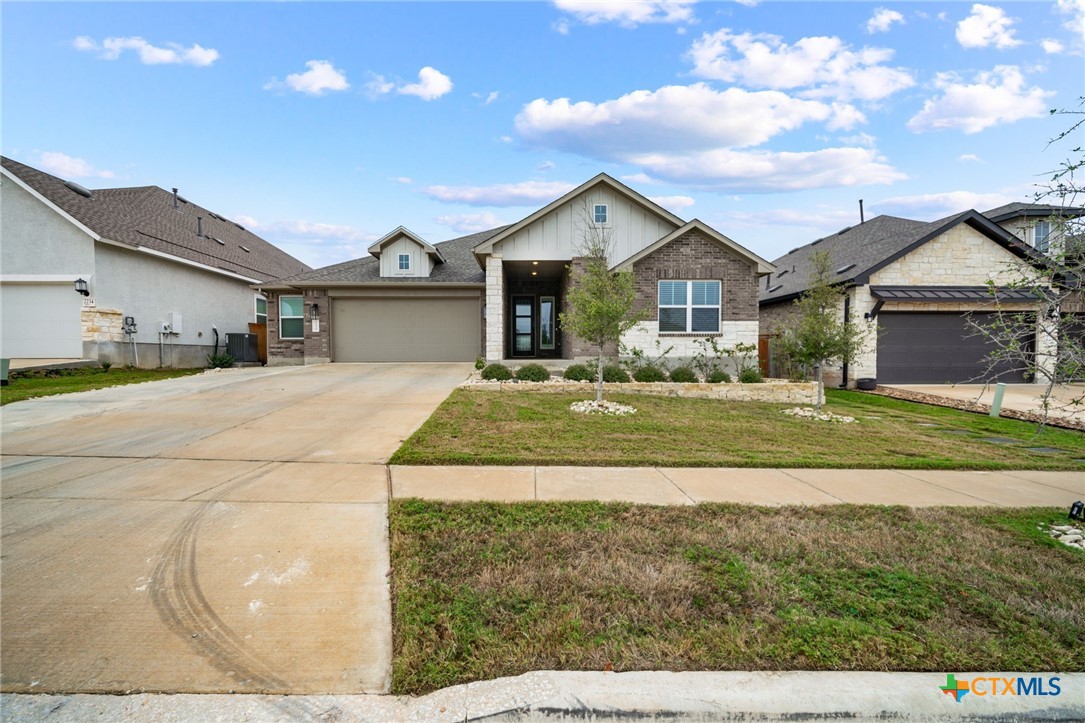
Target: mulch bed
<point>978,408</point>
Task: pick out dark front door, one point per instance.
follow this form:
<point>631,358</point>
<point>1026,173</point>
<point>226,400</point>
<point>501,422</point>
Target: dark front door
<point>523,326</point>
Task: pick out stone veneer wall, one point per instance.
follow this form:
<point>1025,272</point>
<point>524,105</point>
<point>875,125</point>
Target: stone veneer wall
<point>102,325</point>
<point>494,326</point>
<point>771,391</point>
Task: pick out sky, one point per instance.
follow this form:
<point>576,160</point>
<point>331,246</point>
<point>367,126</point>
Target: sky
<point>323,126</point>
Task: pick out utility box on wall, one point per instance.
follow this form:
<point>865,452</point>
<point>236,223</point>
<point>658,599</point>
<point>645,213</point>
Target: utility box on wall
<point>174,320</point>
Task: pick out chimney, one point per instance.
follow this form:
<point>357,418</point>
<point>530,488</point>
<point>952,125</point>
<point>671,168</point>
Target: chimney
<point>862,219</point>
<point>175,198</point>
<point>199,226</point>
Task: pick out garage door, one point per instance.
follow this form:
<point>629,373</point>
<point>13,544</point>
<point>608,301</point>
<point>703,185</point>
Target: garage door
<point>931,348</point>
<point>40,321</point>
<point>406,329</point>
<point>1073,328</point>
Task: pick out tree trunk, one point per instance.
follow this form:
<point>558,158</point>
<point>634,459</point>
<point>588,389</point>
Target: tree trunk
<point>599,379</point>
<point>821,386</point>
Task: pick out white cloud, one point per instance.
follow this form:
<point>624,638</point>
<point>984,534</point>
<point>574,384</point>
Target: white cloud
<point>933,206</point>
<point>432,84</point>
<point>749,3</point>
<point>994,98</point>
<point>638,178</point>
<point>377,85</point>
<point>65,166</point>
<point>970,157</point>
<point>627,13</point>
<point>487,99</point>
<point>674,204</point>
<point>822,67</point>
<point>545,166</point>
<point>987,26</point>
<point>525,193</point>
<point>675,117</point>
<point>1076,10</point>
<point>882,20</point>
<point>320,77</point>
<point>317,244</point>
<point>860,139</point>
<point>402,179</point>
<point>470,222</point>
<point>561,26</point>
<point>1051,46</point>
<point>172,53</point>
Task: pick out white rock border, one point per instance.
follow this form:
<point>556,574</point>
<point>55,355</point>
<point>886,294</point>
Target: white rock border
<point>811,413</point>
<point>1069,535</point>
<point>612,409</point>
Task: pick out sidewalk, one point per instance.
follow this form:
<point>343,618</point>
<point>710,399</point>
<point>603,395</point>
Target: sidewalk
<point>687,486</point>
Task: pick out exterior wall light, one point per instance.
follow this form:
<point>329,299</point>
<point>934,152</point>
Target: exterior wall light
<point>81,287</point>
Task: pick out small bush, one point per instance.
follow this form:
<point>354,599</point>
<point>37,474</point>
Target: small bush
<point>719,377</point>
<point>533,373</point>
<point>750,376</point>
<point>106,365</point>
<point>497,372</point>
<point>683,375</point>
<point>579,373</point>
<point>220,361</point>
<point>650,374</point>
<point>615,374</point>
<point>480,363</point>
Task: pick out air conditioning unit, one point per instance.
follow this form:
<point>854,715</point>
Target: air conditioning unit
<point>242,347</point>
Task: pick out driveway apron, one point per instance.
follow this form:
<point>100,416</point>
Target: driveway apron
<point>218,533</point>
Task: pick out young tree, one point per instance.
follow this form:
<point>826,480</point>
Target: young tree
<point>599,306</point>
<point>816,334</point>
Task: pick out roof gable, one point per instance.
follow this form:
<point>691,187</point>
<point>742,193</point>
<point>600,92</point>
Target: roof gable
<point>402,232</point>
<point>763,266</point>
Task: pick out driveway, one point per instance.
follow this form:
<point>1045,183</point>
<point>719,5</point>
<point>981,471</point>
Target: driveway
<point>1019,397</point>
<point>223,532</point>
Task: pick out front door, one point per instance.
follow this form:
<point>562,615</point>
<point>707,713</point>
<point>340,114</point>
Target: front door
<point>523,326</point>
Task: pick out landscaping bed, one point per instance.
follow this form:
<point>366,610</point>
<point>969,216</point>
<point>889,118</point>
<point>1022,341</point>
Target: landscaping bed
<point>48,382</point>
<point>484,590</point>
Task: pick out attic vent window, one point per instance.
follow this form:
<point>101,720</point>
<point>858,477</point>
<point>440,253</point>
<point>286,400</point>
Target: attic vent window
<point>783,273</point>
<point>217,240</point>
<point>794,249</point>
<point>75,187</point>
<point>842,269</point>
<point>239,226</point>
<point>182,199</point>
<point>776,288</point>
<point>214,215</point>
<point>843,230</point>
<point>815,243</point>
<point>245,249</point>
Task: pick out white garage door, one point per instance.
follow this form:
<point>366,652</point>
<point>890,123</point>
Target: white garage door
<point>40,321</point>
<point>406,329</point>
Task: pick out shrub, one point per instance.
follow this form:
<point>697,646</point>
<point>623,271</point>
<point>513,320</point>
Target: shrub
<point>750,376</point>
<point>719,377</point>
<point>480,363</point>
<point>497,372</point>
<point>106,365</point>
<point>615,374</point>
<point>579,373</point>
<point>533,373</point>
<point>684,375</point>
<point>220,361</point>
<point>650,374</point>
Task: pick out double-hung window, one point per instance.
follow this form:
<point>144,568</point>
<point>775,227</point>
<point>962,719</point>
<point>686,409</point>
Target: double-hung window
<point>690,307</point>
<point>291,317</point>
<point>1040,232</point>
<point>599,214</point>
<point>404,262</point>
<point>261,310</point>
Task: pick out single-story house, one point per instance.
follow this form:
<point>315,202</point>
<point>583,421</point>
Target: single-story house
<point>498,294</point>
<point>157,275</point>
<point>916,281</point>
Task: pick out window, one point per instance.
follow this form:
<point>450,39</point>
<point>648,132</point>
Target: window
<point>261,310</point>
<point>291,317</point>
<point>1040,232</point>
<point>599,214</point>
<point>546,322</point>
<point>404,262</point>
<point>689,306</point>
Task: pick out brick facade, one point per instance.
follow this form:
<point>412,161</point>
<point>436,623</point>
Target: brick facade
<point>315,347</point>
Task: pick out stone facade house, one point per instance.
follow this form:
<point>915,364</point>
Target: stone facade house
<point>498,294</point>
<point>915,282</point>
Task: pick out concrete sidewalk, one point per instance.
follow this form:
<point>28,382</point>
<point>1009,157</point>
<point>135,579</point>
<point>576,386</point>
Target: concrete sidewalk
<point>773,487</point>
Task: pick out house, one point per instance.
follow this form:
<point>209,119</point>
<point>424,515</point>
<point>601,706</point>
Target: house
<point>179,274</point>
<point>916,281</point>
<point>498,294</point>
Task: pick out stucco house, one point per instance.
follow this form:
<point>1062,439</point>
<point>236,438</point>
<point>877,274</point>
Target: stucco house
<point>916,281</point>
<point>177,270</point>
<point>498,294</point>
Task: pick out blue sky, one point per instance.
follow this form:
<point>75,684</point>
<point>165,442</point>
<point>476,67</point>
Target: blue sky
<point>322,126</point>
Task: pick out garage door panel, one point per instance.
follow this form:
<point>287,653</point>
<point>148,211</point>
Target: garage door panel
<point>406,329</point>
<point>40,321</point>
<point>934,348</point>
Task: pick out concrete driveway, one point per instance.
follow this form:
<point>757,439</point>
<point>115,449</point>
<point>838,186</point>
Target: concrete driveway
<point>1019,397</point>
<point>223,532</point>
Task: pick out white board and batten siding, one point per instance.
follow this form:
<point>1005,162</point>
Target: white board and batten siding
<point>556,236</point>
<point>421,262</point>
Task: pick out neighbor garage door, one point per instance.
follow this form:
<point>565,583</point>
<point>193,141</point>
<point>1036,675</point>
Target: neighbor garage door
<point>41,321</point>
<point>406,329</point>
<point>933,348</point>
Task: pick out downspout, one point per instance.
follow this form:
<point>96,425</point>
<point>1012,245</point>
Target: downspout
<point>216,330</point>
<point>847,318</point>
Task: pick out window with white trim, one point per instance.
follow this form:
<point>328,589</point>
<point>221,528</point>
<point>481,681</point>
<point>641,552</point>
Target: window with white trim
<point>689,307</point>
<point>1040,233</point>
<point>261,310</point>
<point>404,262</point>
<point>291,317</point>
<point>599,214</point>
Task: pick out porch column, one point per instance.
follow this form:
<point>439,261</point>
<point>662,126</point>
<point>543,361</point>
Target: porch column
<point>495,308</point>
<point>1047,347</point>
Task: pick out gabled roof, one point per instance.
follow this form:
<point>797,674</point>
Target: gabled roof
<point>391,236</point>
<point>144,217</point>
<point>602,179</point>
<point>1032,210</point>
<point>460,269</point>
<point>857,252</point>
<point>763,267</point>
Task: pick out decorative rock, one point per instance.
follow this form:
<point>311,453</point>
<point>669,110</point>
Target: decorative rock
<point>604,407</point>
<point>1067,539</point>
<point>1062,528</point>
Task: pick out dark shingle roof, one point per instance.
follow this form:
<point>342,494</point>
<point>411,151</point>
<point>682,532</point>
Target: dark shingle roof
<point>145,216</point>
<point>1030,210</point>
<point>460,267</point>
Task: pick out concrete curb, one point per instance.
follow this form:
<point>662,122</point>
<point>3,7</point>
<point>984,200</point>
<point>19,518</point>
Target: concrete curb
<point>548,696</point>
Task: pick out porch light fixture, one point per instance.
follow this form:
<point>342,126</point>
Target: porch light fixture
<point>315,311</point>
<point>534,273</point>
<point>534,263</point>
<point>81,287</point>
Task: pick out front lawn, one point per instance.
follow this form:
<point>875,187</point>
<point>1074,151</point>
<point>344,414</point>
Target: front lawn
<point>46,382</point>
<point>537,428</point>
<point>484,590</point>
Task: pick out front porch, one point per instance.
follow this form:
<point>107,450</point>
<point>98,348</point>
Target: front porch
<point>523,303</point>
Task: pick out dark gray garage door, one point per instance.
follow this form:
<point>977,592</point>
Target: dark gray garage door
<point>933,348</point>
<point>406,329</point>
<point>1074,328</point>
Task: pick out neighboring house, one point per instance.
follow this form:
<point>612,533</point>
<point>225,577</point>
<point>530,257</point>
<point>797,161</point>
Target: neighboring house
<point>143,253</point>
<point>498,294</point>
<point>917,281</point>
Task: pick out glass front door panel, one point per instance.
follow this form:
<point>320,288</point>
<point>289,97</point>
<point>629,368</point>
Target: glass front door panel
<point>546,322</point>
<point>523,326</point>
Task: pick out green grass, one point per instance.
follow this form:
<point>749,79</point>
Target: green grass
<point>533,428</point>
<point>484,590</point>
<point>47,382</point>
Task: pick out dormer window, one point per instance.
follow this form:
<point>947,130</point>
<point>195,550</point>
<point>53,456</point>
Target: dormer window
<point>599,214</point>
<point>1040,232</point>
<point>404,262</point>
